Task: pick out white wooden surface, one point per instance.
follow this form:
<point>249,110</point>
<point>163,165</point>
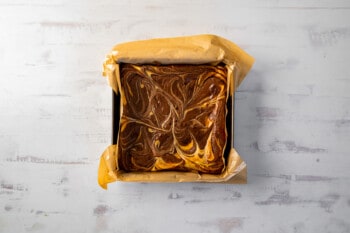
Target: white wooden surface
<point>292,121</point>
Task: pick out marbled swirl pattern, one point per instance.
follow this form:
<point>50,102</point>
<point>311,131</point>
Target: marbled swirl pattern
<point>173,118</point>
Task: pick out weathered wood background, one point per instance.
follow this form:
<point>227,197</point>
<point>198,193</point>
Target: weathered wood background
<point>292,122</point>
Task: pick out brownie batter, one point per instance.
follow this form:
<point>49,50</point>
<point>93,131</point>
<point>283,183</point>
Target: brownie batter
<point>173,117</point>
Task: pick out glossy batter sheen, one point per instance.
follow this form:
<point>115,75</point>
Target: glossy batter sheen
<point>173,118</point>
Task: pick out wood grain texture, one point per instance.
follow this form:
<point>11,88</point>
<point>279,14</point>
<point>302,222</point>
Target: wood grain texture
<point>292,122</point>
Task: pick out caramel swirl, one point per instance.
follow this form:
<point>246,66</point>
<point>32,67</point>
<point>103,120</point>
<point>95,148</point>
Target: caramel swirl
<point>173,118</point>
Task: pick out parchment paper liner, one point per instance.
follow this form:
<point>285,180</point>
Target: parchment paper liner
<point>200,49</point>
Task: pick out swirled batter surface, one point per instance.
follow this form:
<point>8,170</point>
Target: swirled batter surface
<point>173,118</point>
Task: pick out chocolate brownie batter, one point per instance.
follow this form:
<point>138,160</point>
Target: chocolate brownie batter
<point>173,117</point>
